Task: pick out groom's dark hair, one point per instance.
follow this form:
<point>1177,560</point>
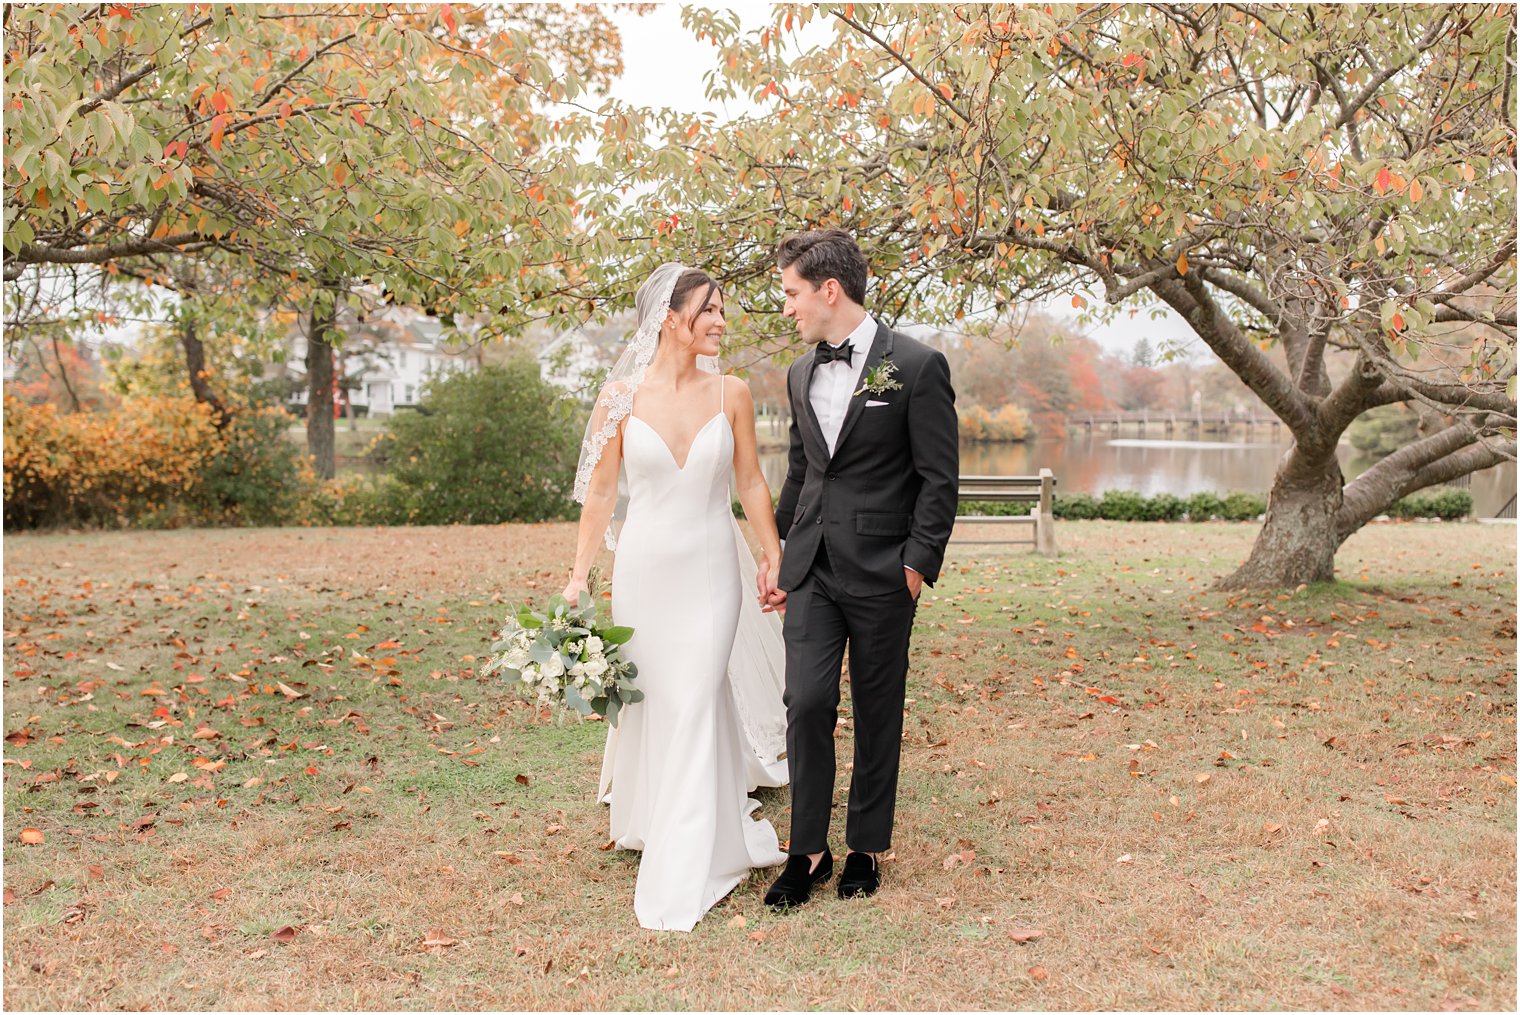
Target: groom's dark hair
<point>822,254</point>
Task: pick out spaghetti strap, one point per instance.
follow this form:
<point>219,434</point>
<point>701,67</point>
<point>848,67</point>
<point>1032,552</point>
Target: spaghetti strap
<point>722,388</point>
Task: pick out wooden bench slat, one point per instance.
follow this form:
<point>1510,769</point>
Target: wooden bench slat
<point>1038,489</point>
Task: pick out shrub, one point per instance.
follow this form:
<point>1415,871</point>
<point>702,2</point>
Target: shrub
<point>1243,507</point>
<point>496,445</point>
<point>255,476</point>
<point>1076,506</point>
<point>1164,507</point>
<point>1121,506</point>
<point>995,509</point>
<point>1203,506</point>
<point>1449,503</point>
<point>153,461</point>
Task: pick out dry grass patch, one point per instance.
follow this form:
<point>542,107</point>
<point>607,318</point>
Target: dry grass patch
<point>1119,788</point>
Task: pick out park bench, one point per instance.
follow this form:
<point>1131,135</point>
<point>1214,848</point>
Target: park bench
<point>1038,491</point>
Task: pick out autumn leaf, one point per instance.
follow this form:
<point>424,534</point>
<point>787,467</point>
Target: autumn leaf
<point>32,836</point>
<point>284,935</point>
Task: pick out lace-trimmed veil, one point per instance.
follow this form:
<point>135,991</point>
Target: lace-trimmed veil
<point>757,665</point>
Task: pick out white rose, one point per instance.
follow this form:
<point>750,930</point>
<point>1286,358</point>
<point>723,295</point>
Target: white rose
<point>516,658</point>
<point>596,667</point>
<point>554,667</point>
<point>529,673</point>
<point>594,645</point>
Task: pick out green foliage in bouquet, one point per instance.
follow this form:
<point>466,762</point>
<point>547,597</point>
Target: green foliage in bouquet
<point>568,657</point>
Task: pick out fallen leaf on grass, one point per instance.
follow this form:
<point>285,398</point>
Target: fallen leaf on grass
<point>522,780</point>
<point>284,935</point>
<point>288,691</point>
<point>32,836</point>
<point>437,940</point>
<point>516,899</point>
<point>10,896</point>
<point>178,777</point>
<point>1126,858</point>
<point>946,902</point>
<point>1202,777</point>
<point>1025,936</point>
<point>221,893</point>
<point>1039,974</point>
<point>259,954</point>
<point>758,935</point>
<point>738,922</point>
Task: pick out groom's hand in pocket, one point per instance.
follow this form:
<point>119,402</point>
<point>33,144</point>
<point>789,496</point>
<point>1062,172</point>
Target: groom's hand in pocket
<point>915,582</point>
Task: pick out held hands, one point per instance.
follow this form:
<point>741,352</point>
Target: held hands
<point>772,599</point>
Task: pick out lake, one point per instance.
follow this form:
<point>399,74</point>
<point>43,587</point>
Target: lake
<point>1093,464</point>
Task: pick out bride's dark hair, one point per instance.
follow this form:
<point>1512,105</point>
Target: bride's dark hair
<point>690,281</point>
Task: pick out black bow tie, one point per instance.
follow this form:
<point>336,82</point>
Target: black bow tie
<point>829,353</point>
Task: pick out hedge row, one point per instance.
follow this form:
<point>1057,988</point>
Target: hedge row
<point>154,462</point>
<point>1129,506</point>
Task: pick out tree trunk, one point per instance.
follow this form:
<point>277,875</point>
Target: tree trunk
<point>1297,543</point>
<point>320,432</point>
<point>195,365</point>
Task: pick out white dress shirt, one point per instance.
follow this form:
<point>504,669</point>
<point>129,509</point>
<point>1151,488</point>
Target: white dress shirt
<point>834,383</point>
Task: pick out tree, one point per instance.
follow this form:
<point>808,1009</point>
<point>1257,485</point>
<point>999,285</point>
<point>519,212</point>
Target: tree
<point>1312,178</point>
<point>303,150</point>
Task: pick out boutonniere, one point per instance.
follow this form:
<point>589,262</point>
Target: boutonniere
<point>881,379</point>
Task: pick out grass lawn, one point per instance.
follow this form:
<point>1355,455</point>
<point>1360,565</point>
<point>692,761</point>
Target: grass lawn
<point>264,775</point>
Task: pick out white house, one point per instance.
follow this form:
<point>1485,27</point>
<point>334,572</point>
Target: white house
<point>388,358</point>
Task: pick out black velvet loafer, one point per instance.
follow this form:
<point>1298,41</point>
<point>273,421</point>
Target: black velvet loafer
<point>861,876</point>
<point>796,882</point>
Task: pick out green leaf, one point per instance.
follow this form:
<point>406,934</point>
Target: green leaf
<point>616,635</point>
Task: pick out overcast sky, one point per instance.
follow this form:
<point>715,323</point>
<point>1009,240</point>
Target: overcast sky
<point>663,66</point>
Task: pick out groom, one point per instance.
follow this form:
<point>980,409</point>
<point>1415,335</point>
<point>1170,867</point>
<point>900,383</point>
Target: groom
<point>866,510</point>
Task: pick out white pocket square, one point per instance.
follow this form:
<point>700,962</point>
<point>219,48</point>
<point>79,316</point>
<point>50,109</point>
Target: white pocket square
<point>872,405</point>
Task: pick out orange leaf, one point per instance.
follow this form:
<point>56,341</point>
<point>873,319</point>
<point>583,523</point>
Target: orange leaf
<point>1416,192</point>
<point>1384,177</point>
<point>448,17</point>
<point>32,836</point>
<point>1182,264</point>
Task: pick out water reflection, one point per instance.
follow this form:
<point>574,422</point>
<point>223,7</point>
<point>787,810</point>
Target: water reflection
<point>1092,464</point>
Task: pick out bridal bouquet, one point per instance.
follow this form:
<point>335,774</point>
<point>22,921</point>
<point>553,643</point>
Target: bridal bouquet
<point>566,656</point>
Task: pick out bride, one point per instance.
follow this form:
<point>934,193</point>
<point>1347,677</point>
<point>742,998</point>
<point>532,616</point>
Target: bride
<point>678,767</point>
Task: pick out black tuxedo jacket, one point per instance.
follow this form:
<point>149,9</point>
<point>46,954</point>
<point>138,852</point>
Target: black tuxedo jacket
<point>886,497</point>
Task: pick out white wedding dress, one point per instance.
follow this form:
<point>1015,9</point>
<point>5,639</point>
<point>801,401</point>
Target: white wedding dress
<point>679,766</point>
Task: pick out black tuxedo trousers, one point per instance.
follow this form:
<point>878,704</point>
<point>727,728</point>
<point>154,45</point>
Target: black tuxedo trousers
<point>821,619</point>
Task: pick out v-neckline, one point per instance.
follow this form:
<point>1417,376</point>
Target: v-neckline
<point>680,466</point>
